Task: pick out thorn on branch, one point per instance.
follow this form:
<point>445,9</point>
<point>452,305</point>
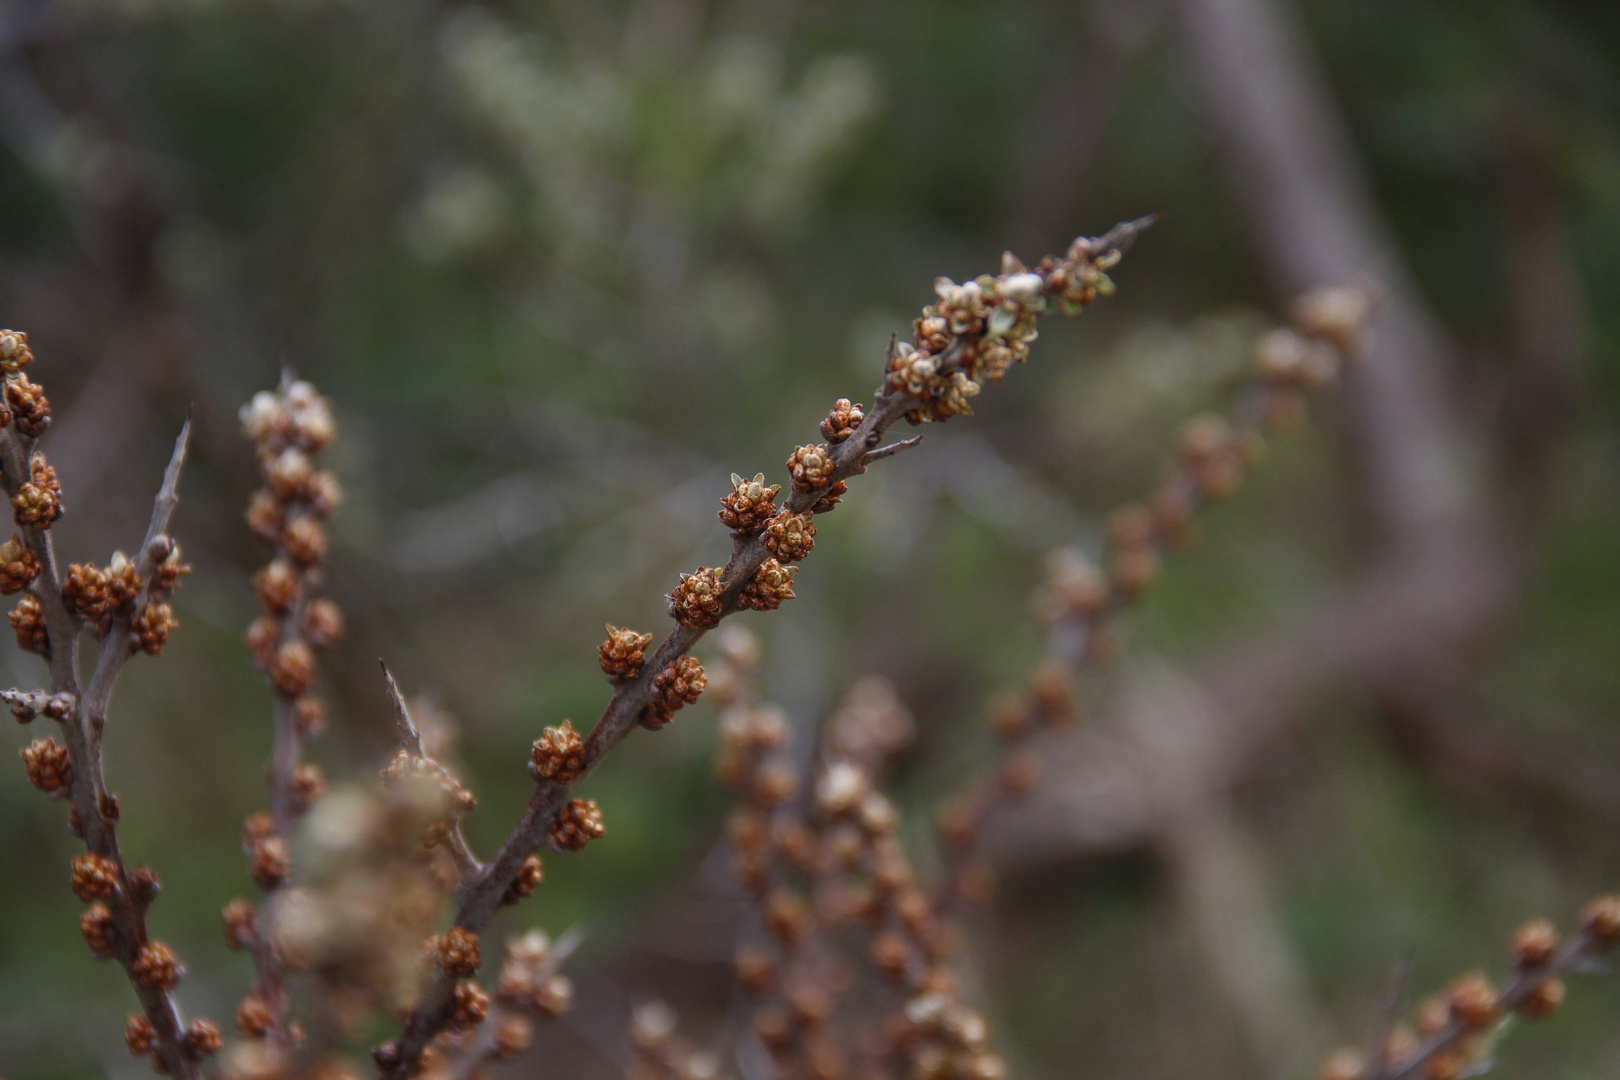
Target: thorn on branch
<point>889,451</point>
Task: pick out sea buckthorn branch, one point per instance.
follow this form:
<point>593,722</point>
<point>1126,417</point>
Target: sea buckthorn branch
<point>1214,453</point>
<point>123,606</point>
<point>976,331</point>
<point>287,428</point>
<point>532,986</point>
<point>1457,1030</point>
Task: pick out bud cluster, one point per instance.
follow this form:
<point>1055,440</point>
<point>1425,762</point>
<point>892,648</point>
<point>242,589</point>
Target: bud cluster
<point>682,683</point>
<point>577,824</point>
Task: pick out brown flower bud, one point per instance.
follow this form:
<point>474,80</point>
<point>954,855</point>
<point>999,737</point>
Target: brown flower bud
<point>623,653</point>
<point>681,683</point>
<point>1545,999</point>
<point>170,570</point>
<point>18,567</point>
<point>750,506</point>
<point>790,537</point>
<point>156,967</point>
<point>787,916</point>
<point>203,1039</point>
<point>841,423</point>
<point>262,637</point>
<point>1474,1001</point>
<point>559,754</point>
<point>254,1017</point>
<point>304,541</point>
<point>124,580</point>
<point>698,601</point>
<point>14,352</point>
<point>1601,919</point>
<point>576,825</point>
<point>323,623</point>
<point>830,498</point>
<point>308,784</point>
<point>152,627</point>
<point>85,592</point>
<point>140,1034</point>
<point>36,505</point>
<point>256,827</point>
<point>96,925</point>
<point>811,466</point>
<point>323,494</point>
<point>1134,570</point>
<point>266,515</point>
<point>240,921</point>
<point>513,1035</point>
<point>468,1008</point>
<point>555,996</point>
<point>309,716</point>
<point>1446,1065</point>
<point>771,585</point>
<point>269,862</point>
<point>1535,943</point>
<point>529,877</point>
<point>29,406</point>
<point>292,668</point>
<point>277,585</point>
<point>95,877</point>
<point>144,885</point>
<point>49,767</point>
<point>457,952</point>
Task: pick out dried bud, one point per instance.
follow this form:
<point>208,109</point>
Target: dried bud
<point>85,592</point>
<point>292,668</point>
<point>681,683</point>
<point>152,627</point>
<point>698,600</point>
<point>323,494</point>
<point>288,473</point>
<point>49,767</point>
<point>790,537</point>
<point>842,422</point>
<point>262,637</point>
<point>203,1039</point>
<point>140,1034</point>
<point>37,504</point>
<point>29,406</point>
<point>750,506</point>
<point>812,468</point>
<point>307,785</point>
<point>1601,919</point>
<point>576,825</point>
<point>468,1008</point>
<point>254,1017</point>
<point>513,1036</point>
<point>14,352</point>
<point>18,567</point>
<point>239,919</point>
<point>623,653</point>
<point>1337,313</point>
<point>304,541</point>
<point>529,877</point>
<point>277,585</point>
<point>559,754</point>
<point>1474,1001</point>
<point>555,996</point>
<point>323,623</point>
<point>269,862</point>
<point>772,584</point>
<point>266,515</point>
<point>170,569</point>
<point>156,967</point>
<point>96,925</point>
<point>457,952</point>
<point>309,716</point>
<point>830,498</point>
<point>95,877</point>
<point>1545,999</point>
<point>1535,943</point>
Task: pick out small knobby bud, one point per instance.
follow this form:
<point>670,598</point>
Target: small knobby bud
<point>309,716</point>
<point>152,627</point>
<point>1535,943</point>
<point>170,569</point>
<point>555,996</point>
<point>239,919</point>
<point>842,421</point>
<point>790,537</point>
<point>269,862</point>
<point>468,1008</point>
<point>96,925</point>
<point>1601,919</point>
<point>772,584</point>
<point>156,967</point>
<point>95,877</point>
<point>750,506</point>
<point>529,877</point>
<point>623,653</point>
<point>512,1036</point>
<point>144,885</point>
<point>830,498</point>
<point>29,406</point>
<point>559,754</point>
<point>49,767</point>
<point>14,352</point>
<point>323,495</point>
<point>682,683</point>
<point>323,623</point>
<point>308,784</point>
<point>1545,999</point>
<point>265,515</point>
<point>1474,1001</point>
<point>254,1017</point>
<point>787,915</point>
<point>292,668</point>
<point>37,504</point>
<point>304,541</point>
<point>18,567</point>
<point>203,1039</point>
<point>811,466</point>
<point>262,637</point>
<point>577,824</point>
<point>140,1034</point>
<point>277,585</point>
<point>457,952</point>
<point>124,580</point>
<point>698,601</point>
<point>85,591</point>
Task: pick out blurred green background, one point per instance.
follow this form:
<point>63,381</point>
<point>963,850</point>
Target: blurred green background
<point>563,267</point>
